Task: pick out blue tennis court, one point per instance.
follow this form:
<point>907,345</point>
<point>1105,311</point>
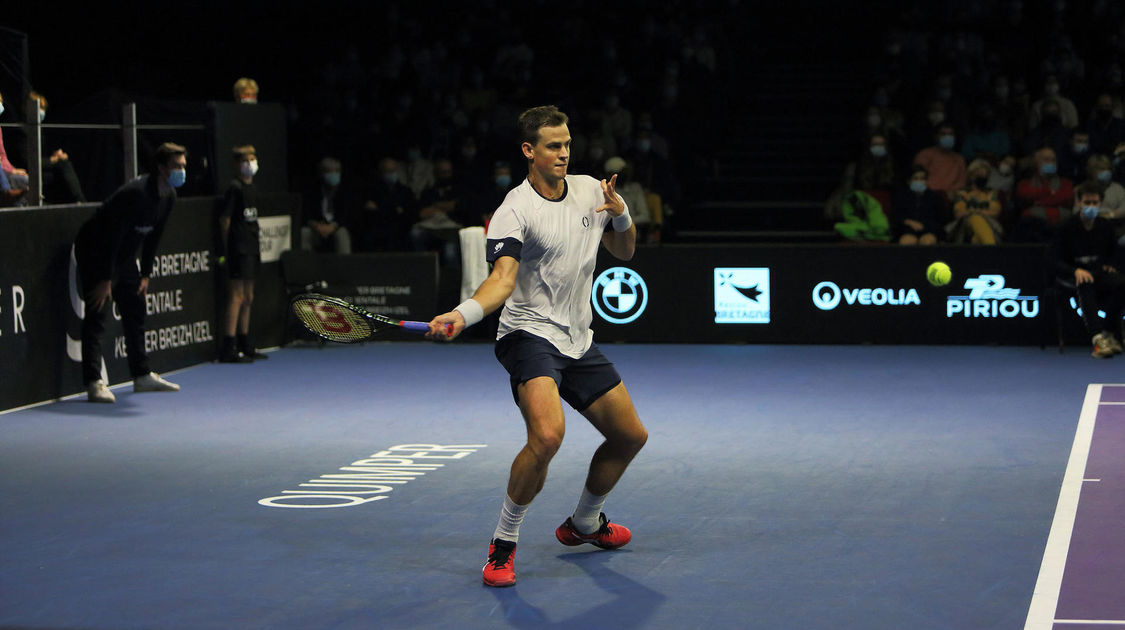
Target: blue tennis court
<point>844,487</point>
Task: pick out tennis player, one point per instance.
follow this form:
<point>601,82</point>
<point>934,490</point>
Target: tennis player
<point>543,243</point>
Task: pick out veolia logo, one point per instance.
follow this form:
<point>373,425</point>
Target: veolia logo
<point>827,295</point>
<point>619,295</point>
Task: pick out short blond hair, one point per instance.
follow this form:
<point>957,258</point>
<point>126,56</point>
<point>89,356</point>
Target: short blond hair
<point>245,84</point>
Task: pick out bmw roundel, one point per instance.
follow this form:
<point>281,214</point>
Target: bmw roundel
<point>619,295</point>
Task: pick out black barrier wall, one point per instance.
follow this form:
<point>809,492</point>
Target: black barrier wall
<point>41,311</point>
<point>822,294</point>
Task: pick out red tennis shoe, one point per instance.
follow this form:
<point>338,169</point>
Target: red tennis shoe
<point>607,536</point>
<point>500,570</point>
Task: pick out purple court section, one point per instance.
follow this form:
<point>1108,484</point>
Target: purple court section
<point>1095,566</point>
<point>1113,394</point>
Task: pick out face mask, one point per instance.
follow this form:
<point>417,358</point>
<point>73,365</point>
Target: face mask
<point>936,118</point>
<point>947,142</point>
<point>878,150</point>
<point>874,120</point>
<point>918,186</point>
<point>332,179</point>
<point>248,169</point>
<point>1089,213</point>
<point>503,181</point>
<point>1001,91</point>
<point>1,108</point>
<point>469,153</point>
<point>1005,169</point>
<point>1049,168</point>
<point>1052,89</point>
<point>390,178</point>
<point>414,154</point>
<point>42,115</point>
<point>945,94</point>
<point>177,177</point>
<point>1105,176</point>
<point>644,144</point>
<point>248,100</point>
<point>1080,148</point>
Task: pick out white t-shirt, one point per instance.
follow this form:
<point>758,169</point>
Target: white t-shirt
<point>556,243</point>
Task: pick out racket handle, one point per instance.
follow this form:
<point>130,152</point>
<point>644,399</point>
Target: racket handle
<point>421,327</point>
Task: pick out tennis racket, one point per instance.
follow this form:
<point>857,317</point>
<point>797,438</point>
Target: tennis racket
<point>341,322</point>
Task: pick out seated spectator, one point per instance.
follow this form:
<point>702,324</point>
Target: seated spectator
<point>875,167</point>
<point>1068,113</point>
<point>246,91</point>
<point>921,133</point>
<point>1072,159</point>
<point>1049,132</point>
<point>1099,170</point>
<point>976,209</point>
<point>481,206</point>
<point>1044,195</point>
<point>417,170</point>
<point>387,211</point>
<point>1106,130</point>
<point>917,210</point>
<point>864,219</point>
<point>1083,255</point>
<point>443,209</point>
<point>648,225</point>
<point>326,212</point>
<point>987,138</point>
<point>60,182</point>
<point>1002,178</point>
<point>13,181</point>
<point>946,167</point>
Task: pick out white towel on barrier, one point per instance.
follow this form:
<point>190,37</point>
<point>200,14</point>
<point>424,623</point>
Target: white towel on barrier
<point>474,268</point>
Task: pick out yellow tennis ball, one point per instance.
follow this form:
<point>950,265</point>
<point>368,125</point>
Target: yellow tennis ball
<point>939,274</point>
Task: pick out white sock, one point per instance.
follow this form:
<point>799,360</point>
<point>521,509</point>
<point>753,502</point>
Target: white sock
<point>585,517</point>
<point>511,515</point>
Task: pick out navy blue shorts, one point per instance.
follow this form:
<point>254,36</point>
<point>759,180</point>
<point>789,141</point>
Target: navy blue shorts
<point>243,266</point>
<point>580,381</point>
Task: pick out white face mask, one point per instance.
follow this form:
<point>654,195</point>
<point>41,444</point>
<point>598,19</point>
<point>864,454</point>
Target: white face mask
<point>1,108</point>
<point>248,169</point>
<point>42,115</point>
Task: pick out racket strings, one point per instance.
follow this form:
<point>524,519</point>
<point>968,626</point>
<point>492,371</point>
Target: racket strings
<point>331,321</point>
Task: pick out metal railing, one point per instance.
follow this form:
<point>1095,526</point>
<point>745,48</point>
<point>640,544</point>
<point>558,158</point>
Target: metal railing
<point>33,129</point>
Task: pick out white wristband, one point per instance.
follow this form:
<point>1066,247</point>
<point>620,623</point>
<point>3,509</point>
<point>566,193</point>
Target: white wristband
<point>471,310</point>
<point>622,223</point>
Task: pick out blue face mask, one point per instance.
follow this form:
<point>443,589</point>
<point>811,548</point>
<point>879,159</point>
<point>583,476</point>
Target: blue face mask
<point>177,178</point>
<point>1089,213</point>
<point>1105,176</point>
<point>947,142</point>
<point>1,108</point>
<point>878,150</point>
<point>918,186</point>
<point>503,181</point>
<point>1049,168</point>
<point>332,179</point>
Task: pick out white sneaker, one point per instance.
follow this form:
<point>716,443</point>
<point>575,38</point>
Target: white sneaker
<point>152,382</point>
<point>98,392</point>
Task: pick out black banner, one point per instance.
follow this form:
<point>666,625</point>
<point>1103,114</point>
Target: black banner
<point>41,311</point>
<point>401,285</point>
<point>821,294</point>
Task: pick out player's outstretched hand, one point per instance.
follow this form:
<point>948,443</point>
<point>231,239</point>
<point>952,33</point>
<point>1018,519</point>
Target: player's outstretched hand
<point>613,202</point>
<point>446,327</point>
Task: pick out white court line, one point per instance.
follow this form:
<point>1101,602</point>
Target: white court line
<point>1092,622</point>
<point>1041,613</point>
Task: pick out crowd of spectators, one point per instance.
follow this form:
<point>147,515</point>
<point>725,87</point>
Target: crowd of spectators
<point>984,117</point>
<point>420,124</point>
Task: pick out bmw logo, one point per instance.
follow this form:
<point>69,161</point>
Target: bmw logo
<point>619,295</point>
